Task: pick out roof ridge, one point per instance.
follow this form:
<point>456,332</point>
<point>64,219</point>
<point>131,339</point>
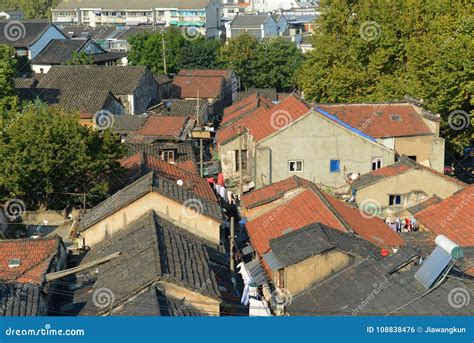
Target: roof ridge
<point>326,202</point>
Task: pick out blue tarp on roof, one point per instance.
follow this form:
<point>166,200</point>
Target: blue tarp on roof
<point>347,126</point>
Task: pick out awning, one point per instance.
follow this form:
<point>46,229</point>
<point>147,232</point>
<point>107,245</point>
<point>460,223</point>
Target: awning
<point>273,261</point>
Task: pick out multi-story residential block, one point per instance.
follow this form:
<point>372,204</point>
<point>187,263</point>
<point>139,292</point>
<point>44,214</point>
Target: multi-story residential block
<point>204,15</point>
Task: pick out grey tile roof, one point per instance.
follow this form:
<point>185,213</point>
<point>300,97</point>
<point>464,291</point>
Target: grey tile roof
<point>18,299</point>
<point>80,31</point>
<point>85,102</point>
<point>250,20</point>
<point>185,151</point>
<point>152,302</point>
<point>152,249</point>
<point>315,239</point>
<point>128,123</point>
<point>269,93</point>
<point>132,5</point>
<point>366,288</point>
<point>33,30</point>
<point>58,51</point>
<point>162,79</point>
<point>120,80</point>
<point>24,82</point>
<point>151,182</point>
<point>424,204</point>
<point>179,107</point>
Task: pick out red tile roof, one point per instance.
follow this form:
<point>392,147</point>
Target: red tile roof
<point>453,217</point>
<point>304,209</point>
<point>192,181</point>
<point>402,166</point>
<point>264,122</point>
<point>191,87</point>
<point>308,207</point>
<point>273,191</point>
<point>225,73</point>
<point>163,126</point>
<point>35,258</point>
<point>245,107</point>
<point>189,166</point>
<point>374,119</point>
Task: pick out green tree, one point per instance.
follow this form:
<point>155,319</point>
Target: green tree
<point>8,69</point>
<point>201,53</point>
<point>238,55</point>
<point>31,8</point>
<point>147,50</point>
<point>380,50</point>
<point>46,153</point>
<point>80,58</point>
<point>275,64</point>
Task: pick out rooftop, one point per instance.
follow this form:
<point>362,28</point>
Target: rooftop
<point>192,87</point>
<point>370,288</point>
<point>381,120</point>
<point>151,250</point>
<point>151,182</point>
<point>134,5</point>
<point>33,30</point>
<point>34,257</point>
<point>264,122</point>
<point>404,165</point>
<point>120,80</point>
<point>250,20</point>
<point>313,206</point>
<point>452,217</point>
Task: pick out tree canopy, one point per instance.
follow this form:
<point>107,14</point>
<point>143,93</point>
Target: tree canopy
<point>8,69</point>
<point>46,153</point>
<point>31,8</point>
<point>381,50</point>
<point>80,58</point>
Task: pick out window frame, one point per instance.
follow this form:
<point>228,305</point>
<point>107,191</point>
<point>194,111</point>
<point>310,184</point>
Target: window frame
<point>296,164</point>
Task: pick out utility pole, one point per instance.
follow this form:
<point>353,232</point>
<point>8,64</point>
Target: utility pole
<point>232,237</point>
<point>201,149</point>
<point>163,42</point>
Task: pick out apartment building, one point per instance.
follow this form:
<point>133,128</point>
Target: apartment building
<point>204,15</point>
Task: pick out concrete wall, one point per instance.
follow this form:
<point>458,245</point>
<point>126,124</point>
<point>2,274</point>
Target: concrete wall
<point>316,140</point>
<point>305,274</point>
<point>199,225</point>
<point>428,150</point>
<point>414,186</point>
<point>227,157</point>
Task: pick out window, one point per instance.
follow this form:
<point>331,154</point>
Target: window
<point>295,166</point>
<point>168,156</point>
<point>394,200</point>
<point>243,154</point>
<point>412,158</point>
<point>377,163</point>
<point>335,166</point>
